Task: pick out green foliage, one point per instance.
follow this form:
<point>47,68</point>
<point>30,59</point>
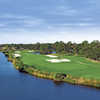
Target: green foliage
<point>85,49</point>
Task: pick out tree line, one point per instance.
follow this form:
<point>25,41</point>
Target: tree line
<point>85,49</point>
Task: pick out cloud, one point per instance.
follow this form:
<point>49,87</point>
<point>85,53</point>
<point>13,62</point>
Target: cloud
<point>63,10</point>
<point>2,25</point>
<point>34,22</point>
<point>11,16</point>
<point>85,24</point>
<point>33,37</point>
<point>75,24</point>
<point>20,21</point>
<point>49,20</point>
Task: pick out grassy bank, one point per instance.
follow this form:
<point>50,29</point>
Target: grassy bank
<point>79,70</point>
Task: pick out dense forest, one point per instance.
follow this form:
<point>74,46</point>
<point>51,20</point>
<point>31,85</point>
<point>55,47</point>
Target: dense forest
<point>86,49</point>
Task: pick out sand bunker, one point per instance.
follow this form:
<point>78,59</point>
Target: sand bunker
<point>58,60</point>
<point>51,56</point>
<point>17,55</point>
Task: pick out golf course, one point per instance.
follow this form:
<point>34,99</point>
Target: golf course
<point>72,69</point>
<point>77,66</point>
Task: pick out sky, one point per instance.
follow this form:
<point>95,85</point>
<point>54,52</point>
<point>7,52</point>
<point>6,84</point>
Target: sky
<point>31,21</point>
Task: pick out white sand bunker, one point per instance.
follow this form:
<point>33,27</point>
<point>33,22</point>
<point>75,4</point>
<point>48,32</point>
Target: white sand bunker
<point>51,56</point>
<point>17,52</point>
<point>17,55</point>
<point>58,60</point>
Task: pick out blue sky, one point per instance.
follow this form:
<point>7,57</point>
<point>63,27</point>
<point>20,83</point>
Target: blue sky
<point>29,21</point>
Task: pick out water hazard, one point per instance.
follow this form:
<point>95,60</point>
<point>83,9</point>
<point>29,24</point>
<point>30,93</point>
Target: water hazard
<point>18,86</point>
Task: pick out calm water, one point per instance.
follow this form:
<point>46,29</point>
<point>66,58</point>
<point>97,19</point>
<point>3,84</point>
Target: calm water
<point>18,86</point>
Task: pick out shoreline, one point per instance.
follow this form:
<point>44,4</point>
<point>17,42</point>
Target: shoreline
<point>51,76</point>
<point>57,77</point>
<point>67,80</point>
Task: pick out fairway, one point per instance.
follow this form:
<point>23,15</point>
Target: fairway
<point>78,66</point>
